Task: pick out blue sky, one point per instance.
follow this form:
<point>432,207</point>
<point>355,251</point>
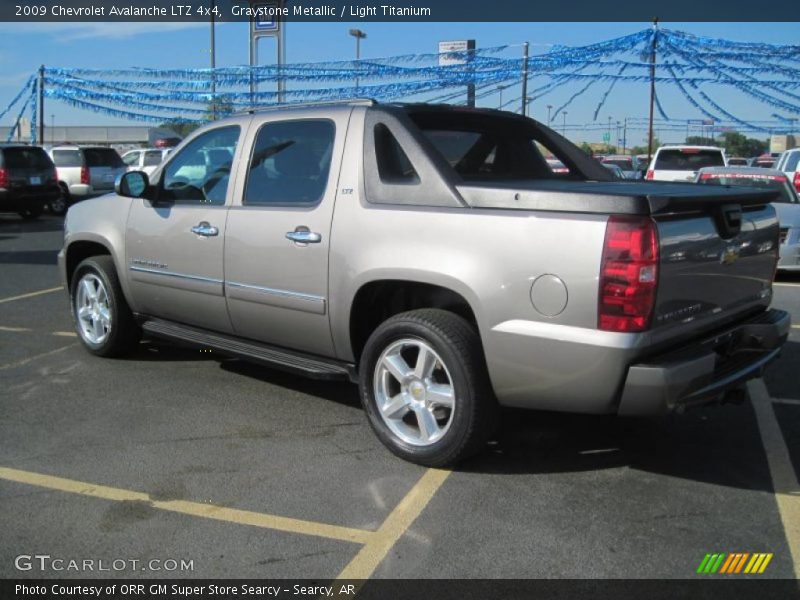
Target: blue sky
<point>24,46</point>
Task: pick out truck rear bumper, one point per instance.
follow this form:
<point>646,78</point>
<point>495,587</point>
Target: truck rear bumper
<point>707,371</point>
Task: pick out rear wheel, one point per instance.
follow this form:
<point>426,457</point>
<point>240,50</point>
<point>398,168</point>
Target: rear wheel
<point>425,389</point>
<point>103,320</point>
<point>60,205</point>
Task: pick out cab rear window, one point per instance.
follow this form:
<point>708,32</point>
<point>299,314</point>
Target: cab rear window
<point>688,159</point>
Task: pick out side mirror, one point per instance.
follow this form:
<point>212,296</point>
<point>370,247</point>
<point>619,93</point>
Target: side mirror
<point>133,184</point>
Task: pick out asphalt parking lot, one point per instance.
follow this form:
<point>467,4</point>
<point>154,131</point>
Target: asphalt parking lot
<point>177,455</point>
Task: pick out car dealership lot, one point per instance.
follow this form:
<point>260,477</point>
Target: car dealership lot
<point>181,455</point>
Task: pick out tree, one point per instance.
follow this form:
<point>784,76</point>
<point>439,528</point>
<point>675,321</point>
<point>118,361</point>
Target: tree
<point>736,144</point>
<point>643,149</point>
<point>698,140</point>
<point>182,128</point>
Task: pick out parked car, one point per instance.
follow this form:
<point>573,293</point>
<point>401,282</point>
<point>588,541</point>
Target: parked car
<point>789,163</point>
<point>629,165</point>
<point>615,169</point>
<point>737,161</point>
<point>556,166</point>
<point>681,163</point>
<point>84,172</point>
<point>27,180</point>
<point>765,161</point>
<point>145,159</point>
<point>429,253</point>
<point>787,204</point>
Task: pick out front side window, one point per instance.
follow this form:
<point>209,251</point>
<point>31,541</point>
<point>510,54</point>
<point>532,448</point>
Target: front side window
<point>290,163</point>
<point>131,159</point>
<point>200,172</point>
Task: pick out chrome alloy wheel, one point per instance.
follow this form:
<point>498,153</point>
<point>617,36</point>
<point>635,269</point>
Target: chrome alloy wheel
<point>92,310</point>
<point>416,402</point>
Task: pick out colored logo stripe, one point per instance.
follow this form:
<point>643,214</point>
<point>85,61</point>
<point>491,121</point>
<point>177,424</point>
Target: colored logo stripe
<point>734,563</point>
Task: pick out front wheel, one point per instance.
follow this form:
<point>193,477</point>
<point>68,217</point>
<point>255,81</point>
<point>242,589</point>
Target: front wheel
<point>425,388</point>
<point>29,214</point>
<point>103,320</point>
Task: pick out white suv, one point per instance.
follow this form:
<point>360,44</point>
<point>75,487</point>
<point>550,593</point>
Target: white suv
<point>145,159</point>
<point>789,163</point>
<point>681,163</point>
<point>83,172</point>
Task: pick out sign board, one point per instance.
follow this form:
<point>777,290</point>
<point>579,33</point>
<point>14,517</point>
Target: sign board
<point>458,46</point>
<point>264,24</point>
<point>606,137</point>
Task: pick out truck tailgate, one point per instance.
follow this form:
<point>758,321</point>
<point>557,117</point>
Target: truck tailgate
<point>711,273</point>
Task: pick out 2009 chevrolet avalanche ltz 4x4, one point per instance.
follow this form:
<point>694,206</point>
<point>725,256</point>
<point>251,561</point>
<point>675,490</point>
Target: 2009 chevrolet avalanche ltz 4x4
<point>430,254</point>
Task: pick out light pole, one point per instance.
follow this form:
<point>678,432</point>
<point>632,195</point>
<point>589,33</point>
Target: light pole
<point>549,108</point>
<point>52,129</point>
<point>359,35</point>
<point>564,126</point>
<point>609,133</point>
<point>213,66</point>
<point>500,89</point>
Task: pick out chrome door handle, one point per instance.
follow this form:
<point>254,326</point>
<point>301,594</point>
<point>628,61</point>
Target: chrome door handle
<point>204,228</point>
<point>304,237</point>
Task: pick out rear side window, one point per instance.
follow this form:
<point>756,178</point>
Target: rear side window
<point>688,159</point>
<point>622,163</point>
<point>791,162</point>
<point>131,158</point>
<point>152,158</point>
<point>290,163</point>
<point>26,158</point>
<point>102,157</point>
<point>393,163</point>
<point>67,158</point>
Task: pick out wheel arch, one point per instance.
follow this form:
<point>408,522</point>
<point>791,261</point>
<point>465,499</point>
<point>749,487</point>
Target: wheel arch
<point>379,299</point>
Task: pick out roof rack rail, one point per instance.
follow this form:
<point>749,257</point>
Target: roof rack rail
<point>347,101</point>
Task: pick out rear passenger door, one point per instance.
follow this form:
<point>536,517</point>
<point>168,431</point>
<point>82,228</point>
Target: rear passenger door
<point>276,251</point>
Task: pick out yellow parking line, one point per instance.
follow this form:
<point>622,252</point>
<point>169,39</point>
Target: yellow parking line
<point>65,333</point>
<point>784,481</point>
<point>25,361</point>
<point>195,509</point>
<point>395,525</point>
<point>14,329</point>
<point>31,294</point>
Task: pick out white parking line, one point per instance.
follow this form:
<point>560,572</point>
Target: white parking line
<point>785,401</point>
<point>31,294</point>
<point>784,480</point>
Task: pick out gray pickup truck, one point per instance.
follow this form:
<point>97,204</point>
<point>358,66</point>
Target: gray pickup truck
<point>431,255</point>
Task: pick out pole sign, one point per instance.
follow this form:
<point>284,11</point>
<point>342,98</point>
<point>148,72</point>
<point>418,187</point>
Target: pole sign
<point>265,23</point>
<point>455,52</point>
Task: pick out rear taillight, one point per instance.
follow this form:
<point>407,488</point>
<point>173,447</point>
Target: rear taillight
<point>3,178</point>
<point>706,176</point>
<point>650,174</point>
<point>797,180</point>
<point>54,175</point>
<point>85,175</point>
<point>628,275</point>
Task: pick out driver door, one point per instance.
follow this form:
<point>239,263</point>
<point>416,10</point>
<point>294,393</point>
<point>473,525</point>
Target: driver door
<point>174,246</point>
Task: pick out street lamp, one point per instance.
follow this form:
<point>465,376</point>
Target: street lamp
<point>549,108</point>
<point>609,132</point>
<point>52,129</point>
<point>500,89</point>
<point>359,35</point>
<point>564,126</point>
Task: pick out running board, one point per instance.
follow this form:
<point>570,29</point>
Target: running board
<point>311,366</point>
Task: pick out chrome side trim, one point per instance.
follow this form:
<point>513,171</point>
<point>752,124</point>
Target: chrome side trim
<point>173,274</point>
<point>276,292</point>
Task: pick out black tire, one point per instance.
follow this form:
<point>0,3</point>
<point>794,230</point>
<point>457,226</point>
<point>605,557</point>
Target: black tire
<point>60,205</point>
<point>29,214</point>
<point>124,333</point>
<point>474,416</point>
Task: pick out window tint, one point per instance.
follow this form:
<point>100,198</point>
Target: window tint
<point>102,157</point>
<point>131,158</point>
<point>201,170</point>
<point>393,164</point>
<point>290,163</point>
<point>152,158</point>
<point>26,158</point>
<point>688,159</point>
<point>67,158</point>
